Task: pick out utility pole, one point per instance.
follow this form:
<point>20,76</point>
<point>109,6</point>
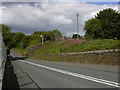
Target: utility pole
<point>42,39</point>
<point>42,45</point>
<point>118,6</point>
<point>22,45</point>
<point>77,25</point>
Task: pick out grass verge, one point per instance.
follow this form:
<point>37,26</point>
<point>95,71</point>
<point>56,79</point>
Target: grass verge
<point>54,47</point>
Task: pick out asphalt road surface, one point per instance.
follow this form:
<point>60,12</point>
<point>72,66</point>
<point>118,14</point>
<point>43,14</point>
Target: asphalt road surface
<point>49,74</point>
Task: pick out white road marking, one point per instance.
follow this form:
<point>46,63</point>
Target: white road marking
<point>110,83</point>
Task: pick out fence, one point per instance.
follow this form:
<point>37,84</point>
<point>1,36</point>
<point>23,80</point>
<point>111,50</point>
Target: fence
<point>3,57</point>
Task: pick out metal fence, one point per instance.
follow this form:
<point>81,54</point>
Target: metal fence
<point>3,57</point>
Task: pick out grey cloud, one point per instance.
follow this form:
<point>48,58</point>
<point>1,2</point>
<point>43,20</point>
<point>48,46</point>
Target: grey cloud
<point>47,16</point>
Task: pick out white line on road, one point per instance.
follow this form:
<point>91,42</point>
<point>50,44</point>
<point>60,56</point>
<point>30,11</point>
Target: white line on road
<point>110,83</point>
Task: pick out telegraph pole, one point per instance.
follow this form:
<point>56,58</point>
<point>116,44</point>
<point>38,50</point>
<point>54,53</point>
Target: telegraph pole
<point>119,7</point>
<point>42,44</point>
<point>42,39</point>
<point>77,25</point>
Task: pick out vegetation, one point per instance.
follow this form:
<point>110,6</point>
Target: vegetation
<point>7,36</point>
<point>60,46</point>
<point>52,49</point>
<point>106,58</point>
<point>98,44</point>
<point>103,32</point>
<point>76,36</point>
<point>105,25</point>
<point>20,40</point>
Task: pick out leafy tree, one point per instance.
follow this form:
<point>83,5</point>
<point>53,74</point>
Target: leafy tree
<point>105,25</point>
<point>37,34</point>
<point>57,34</point>
<point>25,41</point>
<point>7,35</point>
<point>93,28</point>
<point>11,43</point>
<point>35,37</point>
<point>17,39</point>
<point>49,36</point>
<point>76,35</point>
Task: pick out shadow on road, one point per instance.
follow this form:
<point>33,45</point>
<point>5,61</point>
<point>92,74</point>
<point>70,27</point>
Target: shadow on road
<point>15,78</point>
<point>10,78</point>
<point>18,58</point>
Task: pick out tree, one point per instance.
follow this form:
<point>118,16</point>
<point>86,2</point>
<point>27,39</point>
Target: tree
<point>49,36</point>
<point>57,34</point>
<point>76,35</point>
<point>7,35</point>
<point>35,37</point>
<point>105,25</point>
<point>93,28</point>
<point>25,41</point>
<point>17,39</point>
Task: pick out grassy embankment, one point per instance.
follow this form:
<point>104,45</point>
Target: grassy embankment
<point>55,47</point>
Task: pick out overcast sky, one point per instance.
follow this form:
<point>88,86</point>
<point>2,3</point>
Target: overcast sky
<point>45,16</point>
<point>59,0</point>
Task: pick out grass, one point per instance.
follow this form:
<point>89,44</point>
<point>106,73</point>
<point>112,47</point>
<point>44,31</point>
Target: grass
<point>63,47</point>
<point>99,44</point>
<point>54,47</point>
<point>21,51</point>
<point>51,47</point>
<point>107,58</point>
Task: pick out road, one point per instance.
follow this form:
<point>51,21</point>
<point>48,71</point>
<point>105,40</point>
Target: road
<point>49,74</point>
